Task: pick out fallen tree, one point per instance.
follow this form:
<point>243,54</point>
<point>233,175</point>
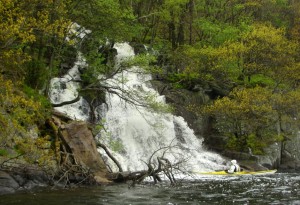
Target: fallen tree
<point>77,158</point>
<point>79,161</point>
<point>158,167</point>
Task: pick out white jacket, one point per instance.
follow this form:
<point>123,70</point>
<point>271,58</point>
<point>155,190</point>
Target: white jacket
<point>234,167</point>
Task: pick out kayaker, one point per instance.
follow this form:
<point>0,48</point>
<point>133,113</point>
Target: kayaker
<point>234,167</point>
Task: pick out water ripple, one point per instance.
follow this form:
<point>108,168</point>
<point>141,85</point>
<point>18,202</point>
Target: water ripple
<point>276,189</point>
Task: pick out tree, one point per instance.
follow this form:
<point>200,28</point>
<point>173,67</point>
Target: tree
<point>99,25</point>
<point>246,117</point>
<point>294,28</point>
<point>32,33</point>
<point>255,117</point>
<point>15,32</point>
<point>266,51</point>
<point>20,118</point>
<point>157,17</point>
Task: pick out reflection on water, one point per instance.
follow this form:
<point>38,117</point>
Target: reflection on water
<point>273,189</point>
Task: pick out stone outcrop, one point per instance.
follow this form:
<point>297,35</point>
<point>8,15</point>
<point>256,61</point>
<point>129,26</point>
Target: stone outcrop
<point>291,154</point>
<point>8,184</point>
<point>22,176</point>
<point>180,99</point>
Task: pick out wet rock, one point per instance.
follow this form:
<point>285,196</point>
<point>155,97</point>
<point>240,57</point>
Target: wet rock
<point>180,99</point>
<point>138,48</point>
<point>7,184</point>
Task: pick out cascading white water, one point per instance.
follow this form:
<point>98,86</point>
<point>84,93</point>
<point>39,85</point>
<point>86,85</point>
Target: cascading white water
<point>65,89</point>
<point>134,133</point>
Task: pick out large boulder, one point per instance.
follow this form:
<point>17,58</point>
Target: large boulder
<point>291,153</point>
<point>8,184</point>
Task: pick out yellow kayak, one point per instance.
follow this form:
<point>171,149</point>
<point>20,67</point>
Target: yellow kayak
<point>264,172</point>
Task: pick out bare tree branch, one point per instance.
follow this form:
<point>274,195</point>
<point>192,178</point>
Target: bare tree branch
<point>66,102</point>
<point>110,155</point>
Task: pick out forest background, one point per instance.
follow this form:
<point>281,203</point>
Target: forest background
<point>250,48</point>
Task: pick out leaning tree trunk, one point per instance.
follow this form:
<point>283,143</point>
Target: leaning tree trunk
<point>79,158</point>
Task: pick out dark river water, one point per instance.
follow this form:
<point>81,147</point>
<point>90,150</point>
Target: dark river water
<point>280,188</point>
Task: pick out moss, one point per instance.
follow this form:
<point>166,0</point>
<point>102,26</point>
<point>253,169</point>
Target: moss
<point>3,152</point>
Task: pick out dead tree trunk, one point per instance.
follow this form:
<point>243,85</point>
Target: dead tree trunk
<point>78,159</point>
<point>164,166</point>
<point>110,155</point>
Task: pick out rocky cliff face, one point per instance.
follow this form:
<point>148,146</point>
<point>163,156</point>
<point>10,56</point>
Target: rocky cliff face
<point>291,154</point>
<point>180,99</point>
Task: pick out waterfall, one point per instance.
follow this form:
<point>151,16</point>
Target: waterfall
<point>65,88</point>
<point>135,133</point>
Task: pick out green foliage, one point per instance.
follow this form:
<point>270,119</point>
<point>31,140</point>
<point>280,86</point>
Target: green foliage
<point>251,116</point>
<point>186,80</point>
<point>98,127</point>
<point>256,145</point>
<point>154,105</point>
<point>261,80</point>
<point>105,18</point>
<point>92,73</point>
<point>207,63</point>
<point>276,12</point>
<point>145,61</point>
<point>31,30</point>
<point>20,116</point>
<point>37,97</point>
<point>35,150</point>
<point>114,144</point>
<point>217,32</point>
<point>3,152</point>
<point>267,52</point>
<point>24,110</point>
<point>36,74</point>
<point>244,114</point>
<point>236,144</point>
<point>260,55</point>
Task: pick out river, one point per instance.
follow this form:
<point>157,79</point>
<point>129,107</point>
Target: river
<point>279,188</point>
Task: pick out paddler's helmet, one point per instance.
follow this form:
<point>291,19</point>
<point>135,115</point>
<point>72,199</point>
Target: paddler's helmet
<point>233,161</point>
